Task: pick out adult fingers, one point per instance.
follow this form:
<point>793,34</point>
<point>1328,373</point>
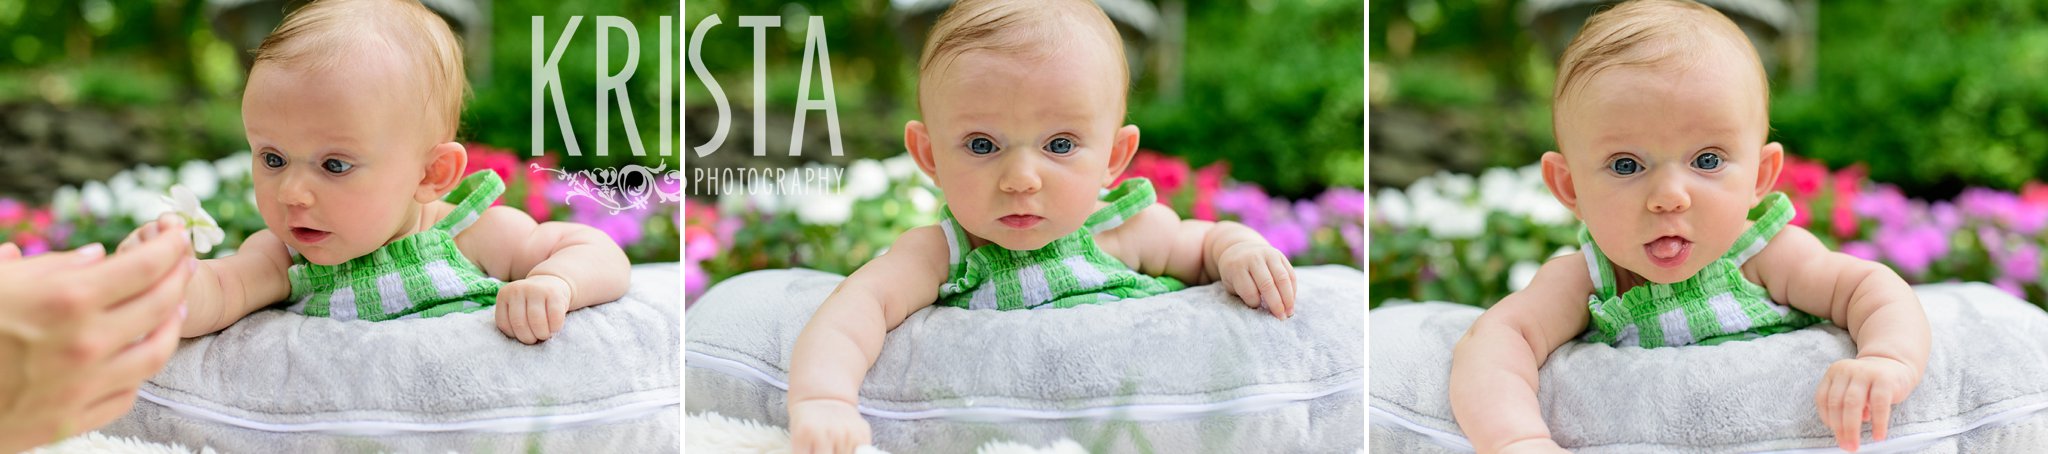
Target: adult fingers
<point>122,276</point>
<point>137,317</point>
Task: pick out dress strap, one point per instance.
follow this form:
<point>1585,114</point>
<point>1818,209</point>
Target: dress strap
<point>476,193</point>
<point>1597,265</point>
<point>1770,216</point>
<point>1128,199</point>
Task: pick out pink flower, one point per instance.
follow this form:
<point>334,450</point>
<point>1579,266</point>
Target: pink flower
<point>2035,194</point>
<point>1208,181</point>
<point>1802,178</point>
<point>1167,173</point>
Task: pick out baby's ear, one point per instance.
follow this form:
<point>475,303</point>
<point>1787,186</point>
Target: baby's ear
<point>1767,169</point>
<point>918,141</point>
<point>444,170</point>
<point>1121,152</point>
<point>1559,178</point>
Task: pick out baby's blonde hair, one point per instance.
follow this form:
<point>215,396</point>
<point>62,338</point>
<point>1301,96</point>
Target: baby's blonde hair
<point>1034,29</point>
<point>1648,33</point>
<point>320,35</point>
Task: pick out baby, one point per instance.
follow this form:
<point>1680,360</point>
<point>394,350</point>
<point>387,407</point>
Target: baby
<point>351,111</point>
<point>1661,117</point>
<point>1025,103</point>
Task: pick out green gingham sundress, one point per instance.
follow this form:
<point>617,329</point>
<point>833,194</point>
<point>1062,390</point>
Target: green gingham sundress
<point>419,276</point>
<point>1715,306</point>
<point>1067,272</point>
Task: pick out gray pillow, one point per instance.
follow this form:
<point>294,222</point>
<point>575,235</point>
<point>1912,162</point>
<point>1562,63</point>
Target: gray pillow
<point>1983,391</point>
<point>282,382</point>
<point>1189,371</point>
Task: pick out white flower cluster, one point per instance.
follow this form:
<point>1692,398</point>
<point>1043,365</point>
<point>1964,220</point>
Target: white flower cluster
<point>1454,206</point>
<point>137,194</point>
<point>865,179</point>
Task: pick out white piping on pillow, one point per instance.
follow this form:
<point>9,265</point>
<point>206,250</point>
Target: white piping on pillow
<point>644,403</point>
<point>1137,412</point>
<point>1896,444</point>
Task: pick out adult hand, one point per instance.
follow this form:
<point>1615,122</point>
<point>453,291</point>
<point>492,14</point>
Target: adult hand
<point>80,332</point>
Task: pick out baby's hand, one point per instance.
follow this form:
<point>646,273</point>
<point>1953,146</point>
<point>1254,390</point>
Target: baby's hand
<point>1535,446</point>
<point>1858,390</point>
<point>1259,275</point>
<point>531,309</point>
<point>825,425</point>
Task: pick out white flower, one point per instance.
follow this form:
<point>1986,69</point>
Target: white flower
<point>866,179</point>
<point>923,201</point>
<point>234,167</point>
<point>1457,222</point>
<point>1500,190</point>
<point>66,203</point>
<point>200,178</point>
<point>153,178</point>
<point>825,209</point>
<point>1520,274</point>
<point>900,167</point>
<point>1393,207</point>
<point>99,202</point>
<point>144,206</point>
<point>205,233</point>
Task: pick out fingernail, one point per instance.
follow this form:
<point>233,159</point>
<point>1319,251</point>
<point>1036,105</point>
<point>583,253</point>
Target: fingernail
<point>91,253</point>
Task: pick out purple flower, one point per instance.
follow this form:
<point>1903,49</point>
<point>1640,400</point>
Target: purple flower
<point>624,227</point>
<point>1861,249</point>
<point>2003,207</point>
<point>2022,263</point>
<point>1343,203</point>
<point>1308,214</point>
<point>1354,235</point>
<point>1946,216</point>
<point>2010,286</point>
<point>1886,204</point>
<point>1286,236</point>
<point>700,247</point>
<point>1912,248</point>
<point>1246,201</point>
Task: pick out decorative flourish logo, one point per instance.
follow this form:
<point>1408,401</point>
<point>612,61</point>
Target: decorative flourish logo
<point>627,188</point>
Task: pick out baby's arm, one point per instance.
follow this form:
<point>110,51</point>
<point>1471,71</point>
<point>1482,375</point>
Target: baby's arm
<point>1494,367</point>
<point>845,335</point>
<point>1879,309</point>
<point>1157,242</point>
<point>222,291</point>
<point>549,269</point>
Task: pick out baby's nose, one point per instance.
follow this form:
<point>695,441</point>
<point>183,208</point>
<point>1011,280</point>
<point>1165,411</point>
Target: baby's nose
<point>1020,179</point>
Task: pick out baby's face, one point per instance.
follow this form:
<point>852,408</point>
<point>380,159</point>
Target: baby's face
<point>338,156</point>
<point>1665,162</point>
<point>1022,146</point>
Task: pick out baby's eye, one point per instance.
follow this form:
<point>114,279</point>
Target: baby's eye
<point>1060,145</point>
<point>335,166</point>
<point>981,145</point>
<point>1625,166</point>
<point>1707,161</point>
<point>272,160</point>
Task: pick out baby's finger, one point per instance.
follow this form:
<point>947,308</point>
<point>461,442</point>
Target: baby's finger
<point>1283,277</point>
<point>1269,297</point>
<point>1240,283</point>
<point>1880,412</point>
<point>9,252</point>
<point>1849,414</point>
<point>517,314</point>
<point>537,316</point>
<point>558,308</point>
<point>498,312</point>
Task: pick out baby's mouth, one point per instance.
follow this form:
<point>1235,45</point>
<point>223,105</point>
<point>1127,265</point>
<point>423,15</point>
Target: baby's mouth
<point>309,236</point>
<point>1669,251</point>
<point>1021,221</point>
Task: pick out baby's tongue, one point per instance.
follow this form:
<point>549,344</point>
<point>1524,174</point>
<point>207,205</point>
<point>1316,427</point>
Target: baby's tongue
<point>1666,247</point>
